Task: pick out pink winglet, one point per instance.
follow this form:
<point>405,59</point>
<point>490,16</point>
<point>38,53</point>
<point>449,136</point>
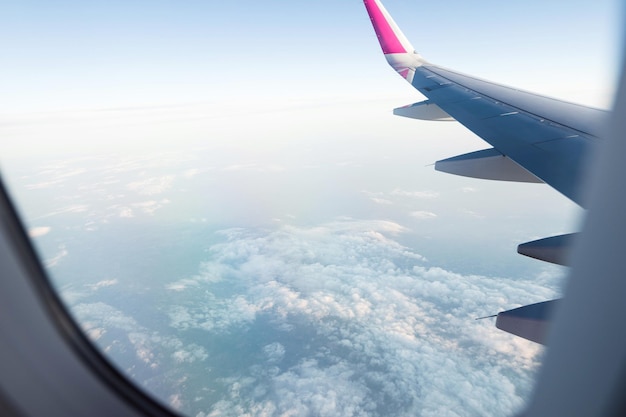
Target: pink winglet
<point>386,36</point>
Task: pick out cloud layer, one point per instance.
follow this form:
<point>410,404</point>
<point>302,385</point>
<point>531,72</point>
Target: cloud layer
<point>331,318</point>
<point>380,332</point>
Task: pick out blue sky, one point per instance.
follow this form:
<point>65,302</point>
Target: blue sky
<point>74,55</point>
<point>296,84</point>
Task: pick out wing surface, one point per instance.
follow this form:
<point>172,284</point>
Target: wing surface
<point>534,138</point>
<point>550,138</point>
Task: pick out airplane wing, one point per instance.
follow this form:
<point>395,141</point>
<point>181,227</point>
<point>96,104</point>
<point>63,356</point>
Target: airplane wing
<point>534,139</point>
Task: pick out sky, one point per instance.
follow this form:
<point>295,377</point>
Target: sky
<point>70,55</point>
<point>240,163</point>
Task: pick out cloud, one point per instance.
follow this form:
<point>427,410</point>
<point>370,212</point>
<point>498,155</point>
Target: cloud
<point>194,172</point>
<point>104,283</point>
<point>378,331</point>
<point>55,175</point>
<point>255,167</point>
<point>91,192</point>
<point>337,318</point>
<point>377,198</point>
<point>181,284</point>
<point>415,194</point>
<point>380,200</point>
<point>41,185</point>
<point>274,352</point>
<point>398,194</point>
<point>220,315</point>
<point>38,231</point>
<point>126,212</point>
<point>471,213</point>
<point>152,186</point>
<point>423,214</point>
<point>150,207</point>
<point>175,401</point>
<point>54,261</point>
<point>150,347</point>
<point>74,208</point>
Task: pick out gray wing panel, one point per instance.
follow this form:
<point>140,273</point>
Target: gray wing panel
<point>530,322</point>
<point>587,120</point>
<point>548,137</point>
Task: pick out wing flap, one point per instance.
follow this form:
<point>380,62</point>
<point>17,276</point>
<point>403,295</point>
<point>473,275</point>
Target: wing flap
<point>486,164</point>
<point>424,110</point>
<point>530,322</point>
<point>554,249</point>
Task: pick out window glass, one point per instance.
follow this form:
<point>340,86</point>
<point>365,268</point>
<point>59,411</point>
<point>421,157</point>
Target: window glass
<point>230,211</point>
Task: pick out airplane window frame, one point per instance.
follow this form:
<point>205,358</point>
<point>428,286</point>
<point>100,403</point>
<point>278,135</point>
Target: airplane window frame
<point>43,377</point>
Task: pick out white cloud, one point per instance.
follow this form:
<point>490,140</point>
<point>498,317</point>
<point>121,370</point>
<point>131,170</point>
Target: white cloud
<point>421,214</point>
<point>380,332</point>
<point>331,391</point>
<point>149,346</point>
<point>152,186</point>
<point>175,401</point>
<point>273,168</point>
<point>471,213</point>
<point>71,295</point>
<point>51,262</point>
<point>55,175</point>
<point>274,352</point>
<point>333,319</point>
<point>126,212</point>
<point>415,194</point>
<point>240,167</point>
<point>151,206</point>
<point>39,231</point>
<point>399,197</point>
<point>190,173</point>
<point>95,333</point>
<point>74,208</point>
<point>189,354</point>
<point>43,184</point>
<point>104,283</point>
<point>378,200</point>
<point>217,315</point>
<point>181,284</point>
<point>255,167</point>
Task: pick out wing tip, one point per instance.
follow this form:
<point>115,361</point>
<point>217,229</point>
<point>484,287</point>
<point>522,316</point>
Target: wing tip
<point>390,37</point>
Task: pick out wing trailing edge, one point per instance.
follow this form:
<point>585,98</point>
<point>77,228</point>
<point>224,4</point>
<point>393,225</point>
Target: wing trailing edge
<point>488,164</point>
<point>554,249</point>
<point>531,322</point>
<point>424,110</point>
